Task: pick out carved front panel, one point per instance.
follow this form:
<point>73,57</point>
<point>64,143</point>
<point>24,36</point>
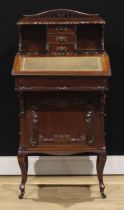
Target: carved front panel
<point>63,120</point>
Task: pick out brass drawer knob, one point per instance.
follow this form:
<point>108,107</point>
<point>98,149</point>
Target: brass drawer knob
<point>61,28</point>
<point>61,38</point>
<point>61,49</point>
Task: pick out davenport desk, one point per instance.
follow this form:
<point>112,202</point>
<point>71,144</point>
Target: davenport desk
<point>61,73</point>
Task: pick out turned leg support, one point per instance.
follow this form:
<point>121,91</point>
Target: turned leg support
<point>101,159</point>
<point>23,163</point>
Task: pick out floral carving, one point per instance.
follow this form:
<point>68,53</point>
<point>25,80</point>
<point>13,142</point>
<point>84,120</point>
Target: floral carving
<point>90,118</point>
<point>33,140</point>
<point>62,13</point>
<point>61,139</point>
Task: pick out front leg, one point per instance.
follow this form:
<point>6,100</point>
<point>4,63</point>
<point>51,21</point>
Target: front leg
<point>101,159</point>
<point>23,163</point>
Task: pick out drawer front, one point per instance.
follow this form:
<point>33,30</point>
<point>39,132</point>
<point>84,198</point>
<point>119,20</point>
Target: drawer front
<point>61,49</point>
<point>61,38</point>
<point>61,84</point>
<point>61,29</point>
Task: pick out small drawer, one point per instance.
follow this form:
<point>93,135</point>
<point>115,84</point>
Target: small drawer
<point>61,49</point>
<point>61,29</point>
<point>61,38</point>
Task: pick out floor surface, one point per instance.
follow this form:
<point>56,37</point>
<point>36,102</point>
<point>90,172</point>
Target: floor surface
<point>62,193</point>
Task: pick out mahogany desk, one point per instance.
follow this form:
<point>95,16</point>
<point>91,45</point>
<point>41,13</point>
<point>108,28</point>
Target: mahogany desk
<point>61,73</point>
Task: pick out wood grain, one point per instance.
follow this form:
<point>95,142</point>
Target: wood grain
<point>62,192</point>
<point>62,106</point>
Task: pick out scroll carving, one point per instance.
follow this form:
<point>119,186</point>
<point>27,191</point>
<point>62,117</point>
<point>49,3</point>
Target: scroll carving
<point>62,13</point>
<point>61,16</point>
<point>61,139</point>
<point>35,128</point>
<point>90,120</point>
<point>21,97</point>
<point>61,101</point>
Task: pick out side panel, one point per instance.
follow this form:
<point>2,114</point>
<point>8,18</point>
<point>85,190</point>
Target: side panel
<point>33,39</point>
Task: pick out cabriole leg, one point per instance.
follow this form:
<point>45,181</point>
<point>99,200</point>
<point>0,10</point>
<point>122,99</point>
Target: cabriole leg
<point>101,159</point>
<point>23,163</point>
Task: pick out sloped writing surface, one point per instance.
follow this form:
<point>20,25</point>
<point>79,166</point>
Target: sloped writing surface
<point>90,63</point>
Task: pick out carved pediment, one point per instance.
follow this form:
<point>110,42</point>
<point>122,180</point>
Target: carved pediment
<point>62,13</point>
<point>59,15</point>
